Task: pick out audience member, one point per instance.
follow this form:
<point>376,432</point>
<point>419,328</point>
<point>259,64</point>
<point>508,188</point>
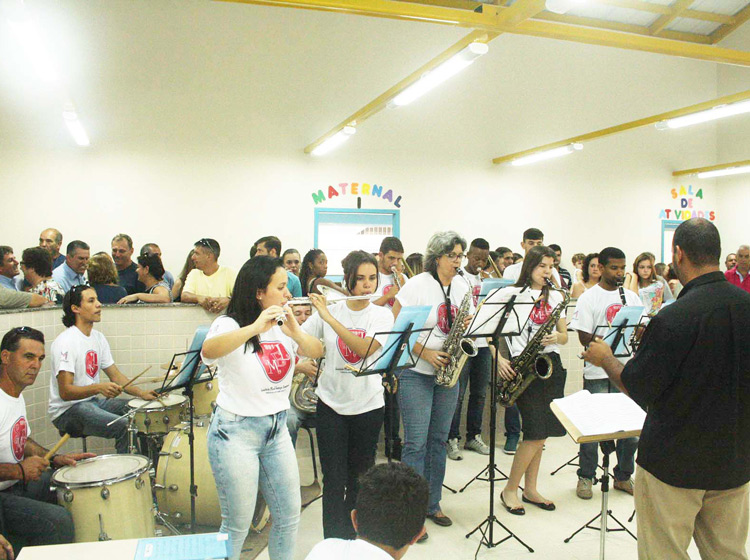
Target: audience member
<point>51,240</point>
<point>740,274</point>
<point>151,275</point>
<point>312,274</point>
<point>591,274</point>
<point>674,282</point>
<point>209,285</point>
<point>179,282</point>
<point>731,261</point>
<point>103,278</point>
<point>291,259</point>
<point>13,299</point>
<point>577,261</point>
<point>122,253</point>
<point>506,257</point>
<point>388,519</point>
<point>566,280</point>
<point>154,249</point>
<point>271,246</point>
<point>36,264</point>
<point>71,272</point>
<point>8,268</point>
<point>78,401</point>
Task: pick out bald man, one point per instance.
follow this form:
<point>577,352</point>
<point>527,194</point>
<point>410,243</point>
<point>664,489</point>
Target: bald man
<point>51,239</point>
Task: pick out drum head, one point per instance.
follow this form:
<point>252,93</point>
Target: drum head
<point>102,469</point>
<point>169,400</point>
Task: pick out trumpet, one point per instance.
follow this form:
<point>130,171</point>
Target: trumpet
<point>407,268</point>
<point>395,277</point>
<point>495,268</point>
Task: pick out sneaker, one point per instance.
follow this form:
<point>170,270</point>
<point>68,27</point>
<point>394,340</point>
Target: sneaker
<point>476,444</point>
<point>511,444</point>
<point>625,485</point>
<point>454,453</point>
<point>584,488</point>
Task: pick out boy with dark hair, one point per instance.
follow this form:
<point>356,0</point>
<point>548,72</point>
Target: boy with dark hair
<point>388,519</point>
<point>565,278</point>
<point>531,238</point>
<point>389,258</point>
<point>271,246</point>
<point>596,308</point>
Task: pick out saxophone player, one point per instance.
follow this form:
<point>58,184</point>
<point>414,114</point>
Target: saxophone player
<point>427,408</point>
<point>539,422</point>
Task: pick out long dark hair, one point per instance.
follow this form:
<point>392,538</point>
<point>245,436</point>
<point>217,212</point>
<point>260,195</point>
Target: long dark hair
<point>351,264</point>
<point>244,307</point>
<point>73,297</point>
<point>305,269</point>
<point>530,262</point>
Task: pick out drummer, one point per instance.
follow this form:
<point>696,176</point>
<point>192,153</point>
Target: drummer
<point>79,403</point>
<point>26,501</point>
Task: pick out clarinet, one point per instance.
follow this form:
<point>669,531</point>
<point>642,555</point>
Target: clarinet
<point>621,289</point>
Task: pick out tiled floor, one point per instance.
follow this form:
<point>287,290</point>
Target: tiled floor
<point>543,531</point>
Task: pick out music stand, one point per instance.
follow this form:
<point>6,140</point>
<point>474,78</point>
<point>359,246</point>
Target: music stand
<point>495,318</point>
<point>600,418</point>
<point>396,354</point>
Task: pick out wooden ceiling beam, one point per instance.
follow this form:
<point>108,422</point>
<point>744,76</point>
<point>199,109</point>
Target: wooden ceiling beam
<point>676,10</point>
<point>739,18</point>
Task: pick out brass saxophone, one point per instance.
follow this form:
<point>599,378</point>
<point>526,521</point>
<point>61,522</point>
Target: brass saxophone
<point>456,346</point>
<point>531,363</point>
<point>302,395</point>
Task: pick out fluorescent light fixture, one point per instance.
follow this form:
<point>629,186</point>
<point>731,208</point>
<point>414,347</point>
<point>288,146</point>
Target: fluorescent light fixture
<point>334,141</point>
<point>27,35</point>
<point>74,126</point>
<point>548,154</point>
<point>438,75</point>
<point>724,172</point>
<point>562,6</point>
<point>704,116</point>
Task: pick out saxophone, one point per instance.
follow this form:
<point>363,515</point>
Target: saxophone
<point>302,395</point>
<point>456,346</point>
<point>531,363</point>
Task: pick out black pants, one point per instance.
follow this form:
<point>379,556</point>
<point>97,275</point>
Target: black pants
<point>392,420</point>
<point>30,517</point>
<point>347,449</point>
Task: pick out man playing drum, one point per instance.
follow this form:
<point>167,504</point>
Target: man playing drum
<point>27,513</point>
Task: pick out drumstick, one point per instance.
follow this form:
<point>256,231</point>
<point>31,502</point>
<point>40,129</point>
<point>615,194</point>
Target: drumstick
<point>136,377</point>
<point>146,380</point>
<point>57,446</point>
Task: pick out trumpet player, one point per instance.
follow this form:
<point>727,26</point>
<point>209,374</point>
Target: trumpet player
<point>539,422</point>
<point>476,372</point>
<point>350,409</point>
<point>390,276</point>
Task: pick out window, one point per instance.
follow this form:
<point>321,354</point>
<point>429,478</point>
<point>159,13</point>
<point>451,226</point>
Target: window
<point>340,231</point>
<point>667,233</point>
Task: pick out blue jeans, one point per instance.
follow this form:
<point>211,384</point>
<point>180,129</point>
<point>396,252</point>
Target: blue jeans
<point>476,374</point>
<point>90,418</point>
<point>426,410</point>
<point>512,421</point>
<point>624,448</point>
<point>294,419</point>
<point>30,516</point>
<point>248,452</point>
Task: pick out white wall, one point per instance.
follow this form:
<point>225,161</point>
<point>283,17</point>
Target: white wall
<point>436,153</point>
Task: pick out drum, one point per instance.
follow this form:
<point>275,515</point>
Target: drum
<point>108,496</point>
<point>158,416</point>
<point>204,396</point>
<point>173,481</point>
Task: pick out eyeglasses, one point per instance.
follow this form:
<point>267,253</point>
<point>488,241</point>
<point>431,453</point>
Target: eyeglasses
<point>79,288</point>
<point>210,243</point>
<point>21,330</point>
<point>455,257</point>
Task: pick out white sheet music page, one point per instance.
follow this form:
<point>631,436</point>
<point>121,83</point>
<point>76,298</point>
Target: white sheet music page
<point>602,413</point>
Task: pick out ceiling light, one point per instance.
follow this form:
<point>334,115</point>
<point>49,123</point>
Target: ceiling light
<point>704,116</point>
<point>74,126</point>
<point>548,154</point>
<point>29,38</point>
<point>438,75</point>
<point>334,141</point>
<point>724,172</point>
<point>562,6</point>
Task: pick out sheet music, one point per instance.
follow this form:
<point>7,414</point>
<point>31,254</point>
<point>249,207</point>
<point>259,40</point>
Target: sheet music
<point>186,547</point>
<point>602,413</point>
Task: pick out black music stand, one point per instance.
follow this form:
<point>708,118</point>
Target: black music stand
<point>396,355</point>
<point>494,323</point>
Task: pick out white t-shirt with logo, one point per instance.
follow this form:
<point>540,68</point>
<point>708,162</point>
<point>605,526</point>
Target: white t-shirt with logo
<point>476,286</point>
<point>338,387</point>
<point>385,285</point>
<point>513,272</point>
<point>14,431</point>
<point>595,309</point>
<point>253,384</point>
<point>423,289</point>
<point>83,356</point>
<point>341,549</point>
<point>535,316</point>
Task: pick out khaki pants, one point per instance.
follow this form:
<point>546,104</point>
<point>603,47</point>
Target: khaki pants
<point>668,517</point>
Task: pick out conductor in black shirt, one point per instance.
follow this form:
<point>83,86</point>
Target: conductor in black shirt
<point>691,374</point>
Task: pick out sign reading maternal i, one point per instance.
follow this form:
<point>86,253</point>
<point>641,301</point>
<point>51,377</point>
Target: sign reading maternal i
<point>357,189</point>
<point>689,201</point>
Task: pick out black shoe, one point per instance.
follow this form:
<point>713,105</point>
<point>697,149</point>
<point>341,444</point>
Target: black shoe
<point>396,452</point>
<point>443,520</point>
<point>545,506</point>
<point>514,510</point>
<point>423,537</point>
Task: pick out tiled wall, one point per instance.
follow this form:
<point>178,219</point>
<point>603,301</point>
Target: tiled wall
<point>140,336</point>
